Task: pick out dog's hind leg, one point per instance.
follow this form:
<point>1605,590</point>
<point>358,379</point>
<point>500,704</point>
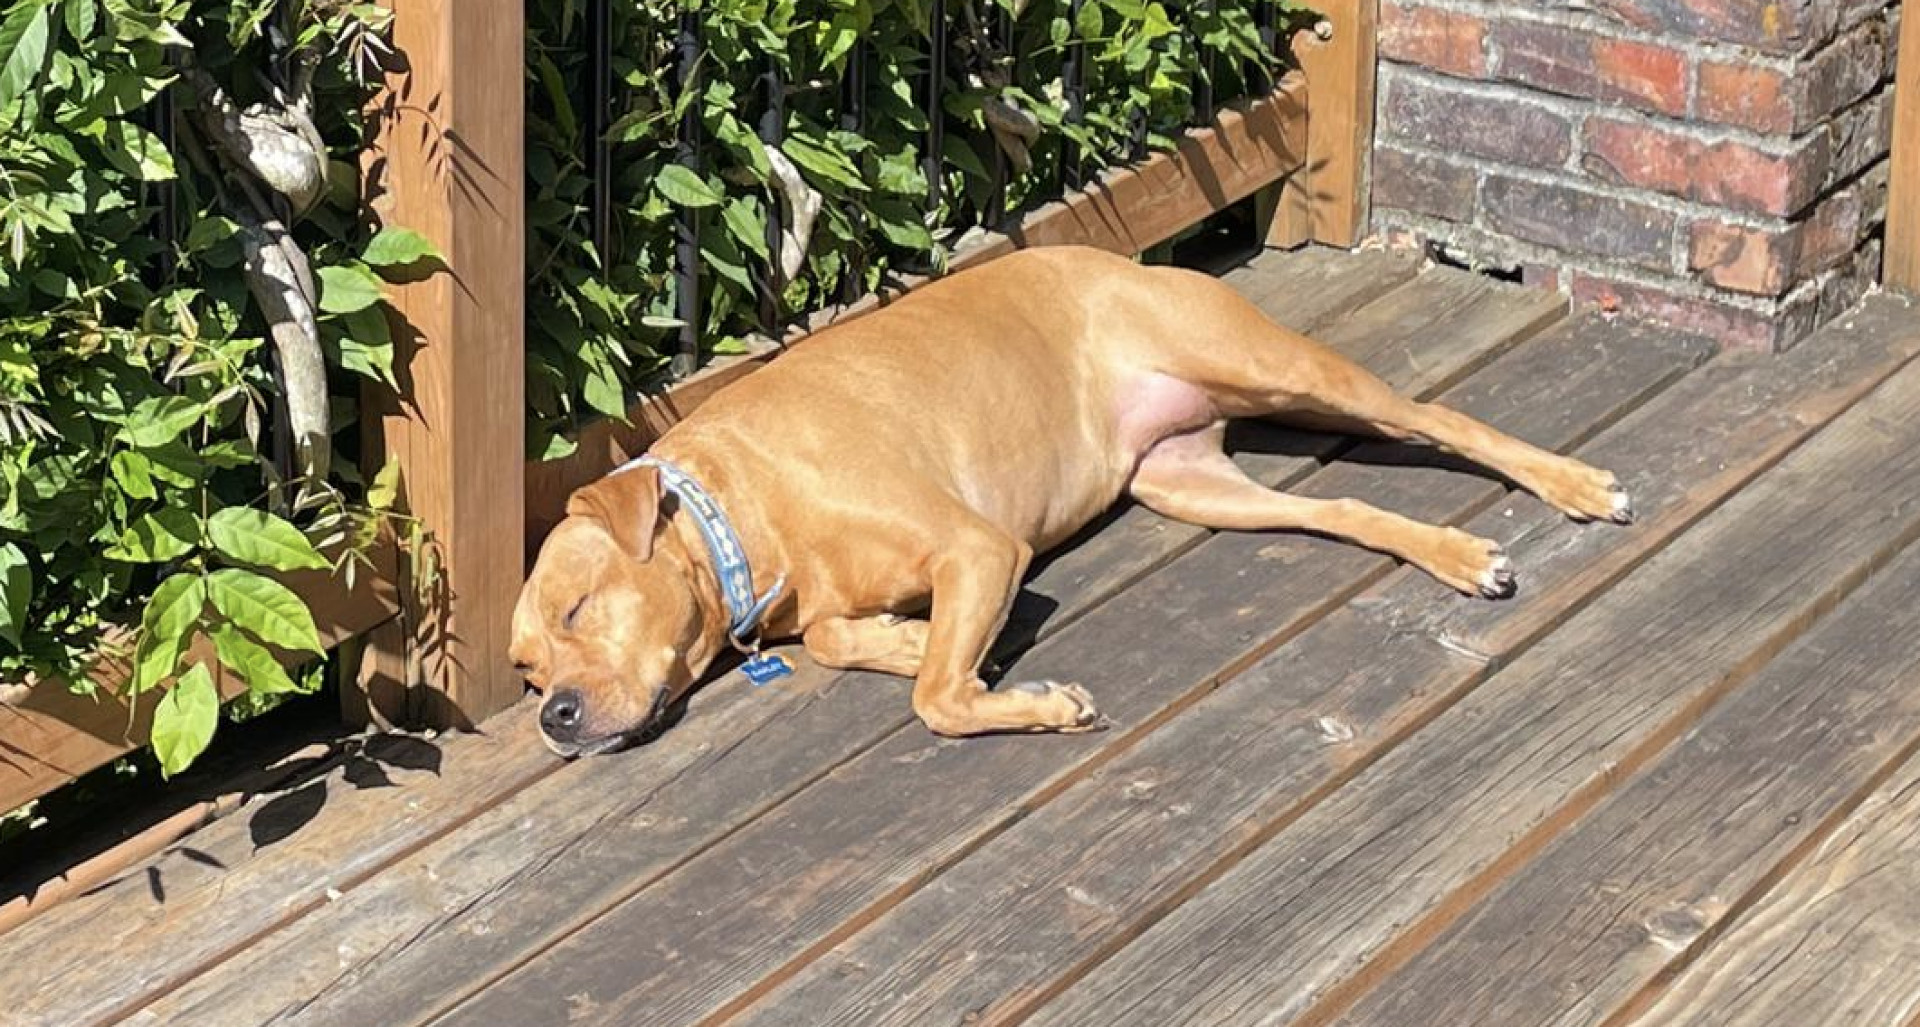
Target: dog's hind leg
<point>1210,336</point>
<point>1189,478</point>
<point>888,644</point>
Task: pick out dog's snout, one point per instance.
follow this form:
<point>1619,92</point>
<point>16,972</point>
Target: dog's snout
<point>561,716</point>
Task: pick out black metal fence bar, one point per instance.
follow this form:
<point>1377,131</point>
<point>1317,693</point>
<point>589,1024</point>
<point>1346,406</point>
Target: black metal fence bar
<point>599,119</point>
<point>1202,86</point>
<point>936,95</point>
<point>1003,43</point>
<point>157,117</point>
<point>853,118</point>
<point>1259,74</point>
<point>1073,91</point>
<point>687,241</point>
<point>773,131</point>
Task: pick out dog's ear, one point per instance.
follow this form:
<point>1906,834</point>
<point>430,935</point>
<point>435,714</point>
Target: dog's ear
<point>627,505</point>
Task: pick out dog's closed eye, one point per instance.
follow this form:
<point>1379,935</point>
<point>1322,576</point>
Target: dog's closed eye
<point>573,614</point>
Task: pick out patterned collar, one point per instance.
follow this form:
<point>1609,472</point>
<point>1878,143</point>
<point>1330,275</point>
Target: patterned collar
<point>723,545</point>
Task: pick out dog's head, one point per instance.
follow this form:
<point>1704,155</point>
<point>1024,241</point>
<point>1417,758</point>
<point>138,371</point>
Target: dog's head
<point>615,622</point>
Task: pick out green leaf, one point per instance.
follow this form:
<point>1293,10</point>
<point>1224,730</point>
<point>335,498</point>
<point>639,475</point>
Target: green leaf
<point>154,661</point>
<point>158,420</point>
<point>184,720</point>
<point>23,38</point>
<point>345,288</point>
<point>135,150</point>
<point>824,160</point>
<point>398,247</point>
<point>366,345</point>
<point>16,592</point>
<point>385,489</point>
<point>264,607</point>
<point>175,607</point>
<point>81,15</point>
<point>743,219</point>
<point>684,186</point>
<point>165,534</point>
<point>252,661</point>
<point>246,535</point>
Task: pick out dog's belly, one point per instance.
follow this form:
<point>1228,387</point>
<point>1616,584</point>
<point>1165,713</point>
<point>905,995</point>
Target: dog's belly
<point>1153,406</point>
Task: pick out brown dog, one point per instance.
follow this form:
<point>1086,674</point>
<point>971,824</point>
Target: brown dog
<point>922,455</point>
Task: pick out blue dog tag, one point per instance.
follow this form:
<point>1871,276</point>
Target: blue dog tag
<point>761,668</point>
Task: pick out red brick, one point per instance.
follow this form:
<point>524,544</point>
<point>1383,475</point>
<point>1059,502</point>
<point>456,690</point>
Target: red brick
<point>1639,155</point>
<point>1567,217</point>
<point>1422,184</point>
<point>1450,41</point>
<point>1771,260</point>
<point>1772,26</point>
<point>1768,100</point>
<point>1747,95</point>
<point>1730,326</point>
<point>1752,260</point>
<point>1438,116</point>
<point>1725,174</point>
<point>1579,63</point>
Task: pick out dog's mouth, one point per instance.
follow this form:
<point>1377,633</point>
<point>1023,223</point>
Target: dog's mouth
<point>650,727</point>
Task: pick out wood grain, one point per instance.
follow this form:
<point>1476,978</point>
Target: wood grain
<point>1657,870</point>
<point>844,850</point>
<point>545,859</point>
<point>1902,257</point>
<point>452,169</point>
<point>1327,200</point>
<point>256,871</point>
<point>1359,882</point>
<point>50,735</point>
<point>1833,943</point>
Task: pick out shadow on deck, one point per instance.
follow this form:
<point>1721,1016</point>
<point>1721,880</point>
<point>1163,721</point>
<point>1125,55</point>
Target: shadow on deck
<point>1670,782</point>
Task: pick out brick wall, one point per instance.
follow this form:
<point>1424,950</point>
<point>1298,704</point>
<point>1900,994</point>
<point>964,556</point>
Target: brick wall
<point>1718,164</point>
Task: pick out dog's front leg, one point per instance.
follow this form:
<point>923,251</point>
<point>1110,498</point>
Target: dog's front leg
<point>974,580</point>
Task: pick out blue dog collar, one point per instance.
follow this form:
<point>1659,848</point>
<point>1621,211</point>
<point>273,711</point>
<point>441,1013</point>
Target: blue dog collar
<point>723,545</point>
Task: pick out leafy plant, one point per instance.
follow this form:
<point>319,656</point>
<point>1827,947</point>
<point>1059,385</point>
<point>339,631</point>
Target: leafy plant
<point>600,323</point>
<point>139,479</point>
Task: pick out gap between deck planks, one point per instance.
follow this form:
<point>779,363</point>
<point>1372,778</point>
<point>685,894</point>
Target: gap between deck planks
<point>1358,884</point>
<point>262,892</point>
<point>521,910</point>
<point>1832,944</point>
<point>789,881</point>
<point>1657,870</point>
<point>1031,910</point>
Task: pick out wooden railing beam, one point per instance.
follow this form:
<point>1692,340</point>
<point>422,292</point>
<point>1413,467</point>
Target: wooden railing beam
<point>448,163</point>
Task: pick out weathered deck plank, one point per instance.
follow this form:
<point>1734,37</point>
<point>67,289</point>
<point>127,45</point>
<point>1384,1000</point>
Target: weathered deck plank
<point>1833,944</point>
<point>1357,883</point>
<point>253,871</point>
<point>848,848</point>
<point>1652,872</point>
<point>505,860</point>
<point>1082,875</point>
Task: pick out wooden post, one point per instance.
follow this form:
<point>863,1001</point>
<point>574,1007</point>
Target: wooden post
<point>1902,268</point>
<point>448,163</point>
<point>1327,200</point>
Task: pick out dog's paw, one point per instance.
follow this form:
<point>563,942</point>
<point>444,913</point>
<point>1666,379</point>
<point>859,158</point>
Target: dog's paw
<point>1078,713</point>
<point>1590,494</point>
<point>1473,565</point>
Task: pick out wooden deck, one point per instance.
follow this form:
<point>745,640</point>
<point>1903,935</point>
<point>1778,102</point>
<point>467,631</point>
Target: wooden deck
<point>1672,782</point>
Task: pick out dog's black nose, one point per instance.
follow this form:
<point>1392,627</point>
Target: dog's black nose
<point>560,717</point>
